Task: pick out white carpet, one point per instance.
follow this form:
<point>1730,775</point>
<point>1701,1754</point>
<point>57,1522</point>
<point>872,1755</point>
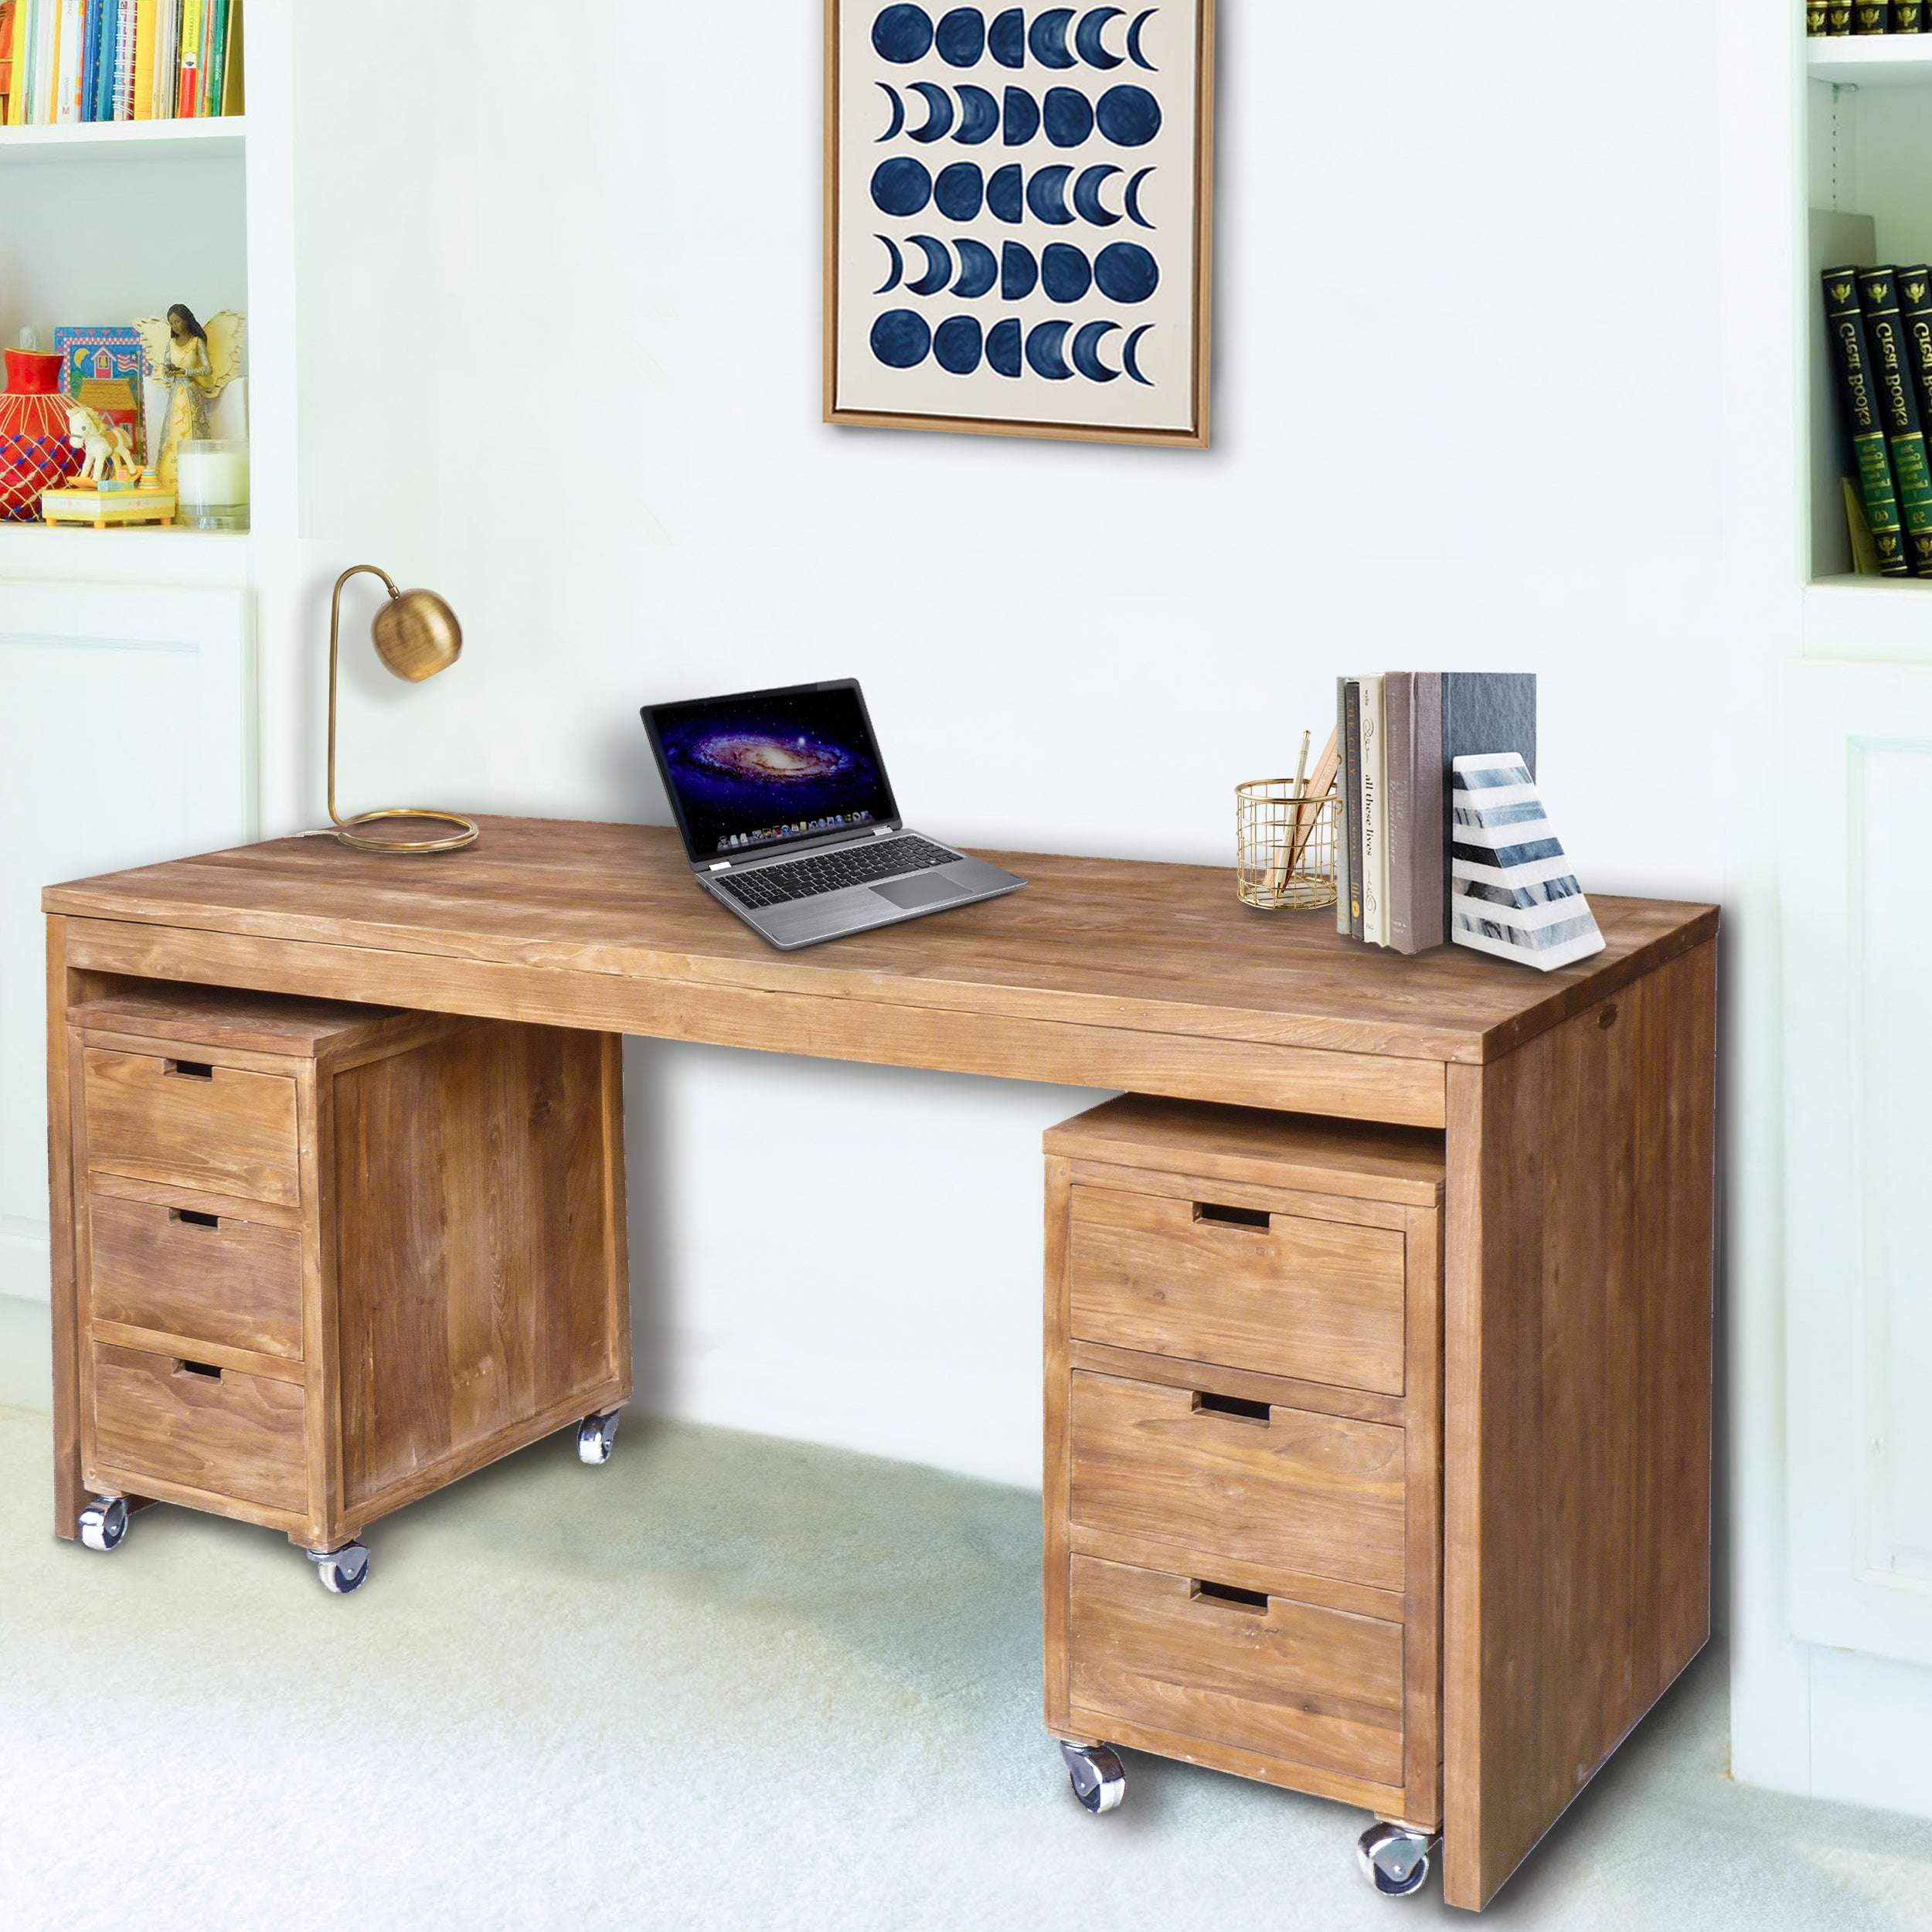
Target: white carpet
<point>722,1681</point>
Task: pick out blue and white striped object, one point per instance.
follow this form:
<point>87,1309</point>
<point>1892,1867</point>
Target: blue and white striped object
<point>1511,892</point>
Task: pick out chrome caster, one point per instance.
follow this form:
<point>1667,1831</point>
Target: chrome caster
<point>597,1436</point>
<point>1395,1858</point>
<point>341,1570</point>
<point>104,1522</point>
<point>1100,1779</point>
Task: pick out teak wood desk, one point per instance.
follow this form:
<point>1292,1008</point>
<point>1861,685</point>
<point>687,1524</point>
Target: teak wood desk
<point>1577,1111</point>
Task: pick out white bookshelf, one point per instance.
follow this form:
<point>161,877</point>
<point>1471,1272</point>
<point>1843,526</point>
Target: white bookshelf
<point>124,140</point>
<point>1868,139</point>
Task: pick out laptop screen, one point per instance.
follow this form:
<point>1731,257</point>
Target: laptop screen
<point>748,773</point>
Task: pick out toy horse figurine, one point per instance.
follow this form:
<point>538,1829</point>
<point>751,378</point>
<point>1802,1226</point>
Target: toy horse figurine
<point>107,444</point>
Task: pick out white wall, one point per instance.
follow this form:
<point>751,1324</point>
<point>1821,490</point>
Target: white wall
<point>1452,428</point>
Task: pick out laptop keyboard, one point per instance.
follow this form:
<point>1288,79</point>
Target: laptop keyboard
<point>828,871</point>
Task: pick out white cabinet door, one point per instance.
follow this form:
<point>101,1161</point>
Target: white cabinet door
<point>127,735</point>
<point>1856,891</point>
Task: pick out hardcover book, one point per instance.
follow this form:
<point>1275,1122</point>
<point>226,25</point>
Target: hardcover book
<point>1895,388</point>
<point>1915,310</point>
<point>1845,323</point>
<point>1838,16</point>
<point>1484,712</point>
<point>1342,885</point>
<point>1375,842</point>
<point>1513,894</point>
<point>1908,16</point>
<point>1351,791</point>
<point>1413,727</point>
<point>1872,16</point>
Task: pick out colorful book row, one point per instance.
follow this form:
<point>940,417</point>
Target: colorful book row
<point>71,61</point>
<point>1879,320</point>
<point>1399,735</point>
<point>1867,16</point>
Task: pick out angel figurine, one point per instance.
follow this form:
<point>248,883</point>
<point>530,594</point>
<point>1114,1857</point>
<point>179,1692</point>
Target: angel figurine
<point>197,364</point>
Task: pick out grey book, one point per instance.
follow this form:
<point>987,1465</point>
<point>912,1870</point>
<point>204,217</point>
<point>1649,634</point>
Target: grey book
<point>1412,700</point>
<point>1483,712</point>
<point>1341,812</point>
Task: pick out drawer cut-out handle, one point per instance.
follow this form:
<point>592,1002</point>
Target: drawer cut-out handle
<point>1238,1406</point>
<point>194,1218</point>
<point>1231,1594</point>
<point>189,1069</point>
<point>1231,1217</point>
<point>206,1370</point>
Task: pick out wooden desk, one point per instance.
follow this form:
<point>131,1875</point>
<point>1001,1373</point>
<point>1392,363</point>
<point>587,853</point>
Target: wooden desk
<point>1577,1109</point>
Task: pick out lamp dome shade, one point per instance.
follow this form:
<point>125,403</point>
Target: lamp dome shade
<point>416,634</point>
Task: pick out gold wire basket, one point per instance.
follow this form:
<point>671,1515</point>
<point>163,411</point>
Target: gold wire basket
<point>1285,846</point>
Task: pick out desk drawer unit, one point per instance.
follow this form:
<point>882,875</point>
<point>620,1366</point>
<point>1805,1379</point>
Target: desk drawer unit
<point>281,1319</point>
<point>1244,1450</point>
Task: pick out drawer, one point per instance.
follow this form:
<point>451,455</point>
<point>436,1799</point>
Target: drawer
<point>188,1274</point>
<point>160,1117</point>
<point>1261,1673</point>
<point>227,1432</point>
<point>1269,1488</point>
<point>1280,1294</point>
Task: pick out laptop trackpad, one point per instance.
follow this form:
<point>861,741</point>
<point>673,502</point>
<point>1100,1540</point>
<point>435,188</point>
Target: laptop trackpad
<point>922,889</point>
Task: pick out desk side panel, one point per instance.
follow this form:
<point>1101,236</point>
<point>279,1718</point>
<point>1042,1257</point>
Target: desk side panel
<point>1299,1079</point>
<point>1578,1404</point>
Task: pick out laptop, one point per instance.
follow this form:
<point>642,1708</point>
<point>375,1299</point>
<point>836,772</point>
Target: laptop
<point>788,819</point>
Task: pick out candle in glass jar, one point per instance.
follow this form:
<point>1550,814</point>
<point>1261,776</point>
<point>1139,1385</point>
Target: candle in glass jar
<point>211,481</point>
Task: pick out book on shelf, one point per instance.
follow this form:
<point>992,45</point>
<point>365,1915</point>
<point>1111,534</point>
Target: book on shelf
<point>1838,16</point>
<point>99,60</point>
<point>1845,323</point>
<point>1399,735</point>
<point>1871,16</point>
<point>1896,395</point>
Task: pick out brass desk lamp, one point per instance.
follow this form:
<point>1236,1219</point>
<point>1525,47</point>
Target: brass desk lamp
<point>416,635</point>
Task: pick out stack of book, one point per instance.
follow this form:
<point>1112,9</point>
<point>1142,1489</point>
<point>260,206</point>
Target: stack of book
<point>1867,16</point>
<point>1399,736</point>
<point>1879,322</point>
<point>80,60</point>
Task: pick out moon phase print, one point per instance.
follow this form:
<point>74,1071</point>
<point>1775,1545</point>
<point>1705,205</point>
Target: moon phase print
<point>1017,205</point>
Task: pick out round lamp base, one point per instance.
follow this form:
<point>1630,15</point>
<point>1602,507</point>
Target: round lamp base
<point>362,831</point>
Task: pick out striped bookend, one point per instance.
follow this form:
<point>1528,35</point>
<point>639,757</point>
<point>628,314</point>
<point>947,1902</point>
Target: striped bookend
<point>1512,892</point>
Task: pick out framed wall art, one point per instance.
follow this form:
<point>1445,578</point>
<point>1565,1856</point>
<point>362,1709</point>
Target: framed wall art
<point>1017,218</point>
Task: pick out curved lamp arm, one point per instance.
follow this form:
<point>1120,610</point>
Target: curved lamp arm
<point>335,624</point>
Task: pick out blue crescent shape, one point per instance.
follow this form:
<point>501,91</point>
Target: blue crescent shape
<point>1005,197</point>
<point>978,269</point>
<point>898,266</point>
<point>1046,196</point>
<point>1018,273</point>
<point>1087,37</point>
<point>1002,347</point>
<point>1022,118</point>
<point>1048,37</point>
<point>899,112</point>
<point>1043,355</point>
<point>1128,361</point>
<point>1133,202</point>
<point>939,111</point>
<point>979,116</point>
<point>1006,42</point>
<point>1086,353</point>
<point>939,266</point>
<point>1086,194</point>
<point>1134,52</point>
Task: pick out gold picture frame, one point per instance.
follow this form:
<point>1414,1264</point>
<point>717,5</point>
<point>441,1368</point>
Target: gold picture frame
<point>1104,409</point>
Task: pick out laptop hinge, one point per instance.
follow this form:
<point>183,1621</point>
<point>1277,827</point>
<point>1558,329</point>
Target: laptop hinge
<point>882,831</point>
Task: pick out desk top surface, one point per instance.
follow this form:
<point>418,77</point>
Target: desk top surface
<point>1098,941</point>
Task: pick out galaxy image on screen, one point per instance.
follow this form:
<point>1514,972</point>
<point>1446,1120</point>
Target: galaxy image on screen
<point>755,771</point>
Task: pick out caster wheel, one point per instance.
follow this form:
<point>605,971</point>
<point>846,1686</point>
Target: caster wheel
<point>597,1436</point>
<point>1395,1859</point>
<point>104,1522</point>
<point>1099,1777</point>
<point>341,1570</point>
